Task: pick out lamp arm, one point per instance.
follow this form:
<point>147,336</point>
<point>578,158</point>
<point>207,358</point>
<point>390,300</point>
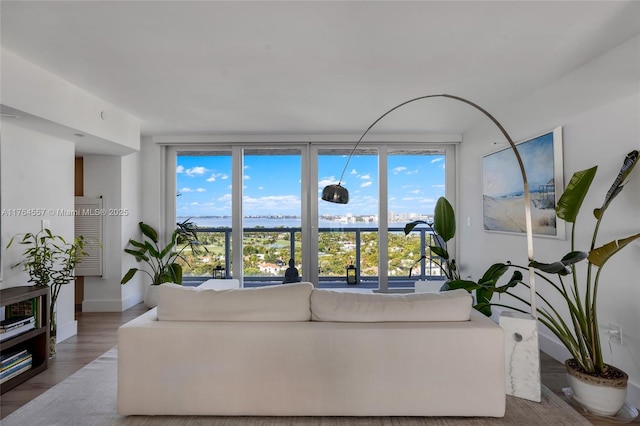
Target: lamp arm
<point>525,183</point>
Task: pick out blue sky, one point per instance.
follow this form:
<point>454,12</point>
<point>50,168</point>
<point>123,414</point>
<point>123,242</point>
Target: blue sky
<point>272,184</point>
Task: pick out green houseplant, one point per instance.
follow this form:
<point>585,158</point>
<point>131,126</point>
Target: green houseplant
<point>50,261</point>
<point>578,288</point>
<point>443,229</point>
<point>161,261</point>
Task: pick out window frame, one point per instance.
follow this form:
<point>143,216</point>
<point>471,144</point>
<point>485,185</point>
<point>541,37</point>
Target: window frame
<point>309,186</point>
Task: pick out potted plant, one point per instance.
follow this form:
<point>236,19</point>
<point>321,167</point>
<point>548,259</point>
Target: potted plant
<point>50,261</point>
<point>599,387</point>
<point>443,229</point>
<point>161,261</point>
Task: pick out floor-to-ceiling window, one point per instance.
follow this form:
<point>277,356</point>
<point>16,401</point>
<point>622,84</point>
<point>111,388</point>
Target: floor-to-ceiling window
<point>271,213</point>
<point>347,233</point>
<point>203,203</point>
<point>416,179</point>
<point>263,201</point>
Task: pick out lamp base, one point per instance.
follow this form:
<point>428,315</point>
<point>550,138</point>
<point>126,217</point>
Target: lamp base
<point>522,355</point>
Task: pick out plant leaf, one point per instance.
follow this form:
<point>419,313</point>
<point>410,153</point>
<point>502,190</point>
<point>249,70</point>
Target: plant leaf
<point>551,268</point>
<point>628,164</point>
<point>175,272</point>
<point>444,221</point>
<point>600,255</point>
<point>409,226</point>
<point>456,284</point>
<point>149,232</point>
<point>139,255</point>
<point>127,277</point>
<point>515,279</point>
<point>439,251</point>
<point>573,257</point>
<point>493,274</point>
<point>571,200</point>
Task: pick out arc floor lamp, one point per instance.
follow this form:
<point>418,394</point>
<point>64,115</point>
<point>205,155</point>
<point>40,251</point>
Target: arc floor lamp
<point>336,193</point>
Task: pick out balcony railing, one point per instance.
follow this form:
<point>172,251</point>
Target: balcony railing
<point>267,252</point>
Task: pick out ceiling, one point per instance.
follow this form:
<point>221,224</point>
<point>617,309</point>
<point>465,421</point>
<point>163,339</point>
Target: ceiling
<point>301,67</point>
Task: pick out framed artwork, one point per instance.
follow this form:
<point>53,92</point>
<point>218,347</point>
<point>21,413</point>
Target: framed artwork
<point>503,190</point>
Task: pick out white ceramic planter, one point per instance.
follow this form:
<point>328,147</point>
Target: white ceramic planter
<point>151,296</point>
<point>428,286</point>
<point>600,396</point>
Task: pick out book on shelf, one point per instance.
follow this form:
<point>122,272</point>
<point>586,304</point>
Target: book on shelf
<point>25,307</point>
<point>13,363</point>
<point>16,370</point>
<point>17,330</point>
<point>30,307</point>
<point>14,322</point>
<point>16,365</point>
<point>11,358</point>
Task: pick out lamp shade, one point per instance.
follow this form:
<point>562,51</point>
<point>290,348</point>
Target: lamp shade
<point>335,194</point>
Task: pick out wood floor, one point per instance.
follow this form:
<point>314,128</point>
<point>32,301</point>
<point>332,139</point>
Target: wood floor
<point>97,334</point>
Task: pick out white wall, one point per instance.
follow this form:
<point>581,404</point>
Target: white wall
<point>598,106</point>
<point>132,293</point>
<point>54,106</point>
<point>116,180</point>
<point>37,173</point>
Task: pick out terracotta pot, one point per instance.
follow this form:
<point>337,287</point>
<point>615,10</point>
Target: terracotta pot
<point>600,395</point>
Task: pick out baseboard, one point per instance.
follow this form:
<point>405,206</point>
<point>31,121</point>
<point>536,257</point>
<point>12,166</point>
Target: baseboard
<point>64,331</point>
<point>131,301</point>
<point>102,305</point>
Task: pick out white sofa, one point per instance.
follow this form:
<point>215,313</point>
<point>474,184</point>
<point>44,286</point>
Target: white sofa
<point>293,350</point>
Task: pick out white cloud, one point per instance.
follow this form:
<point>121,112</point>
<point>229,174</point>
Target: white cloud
<point>365,177</point>
<point>415,191</point>
<point>439,186</point>
<point>329,180</point>
<point>353,172</point>
<point>365,184</point>
<point>196,171</point>
<point>216,176</point>
<point>201,190</point>
<point>282,203</point>
<point>437,160</point>
<point>246,177</point>
<point>261,188</point>
<point>180,169</point>
<point>398,169</point>
<point>186,189</point>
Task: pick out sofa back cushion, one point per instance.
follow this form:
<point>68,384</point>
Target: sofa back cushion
<point>287,302</point>
<point>328,305</point>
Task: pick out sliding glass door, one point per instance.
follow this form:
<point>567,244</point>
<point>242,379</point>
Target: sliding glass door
<point>258,212</point>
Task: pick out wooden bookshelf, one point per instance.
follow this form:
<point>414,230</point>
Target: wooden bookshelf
<point>36,341</point>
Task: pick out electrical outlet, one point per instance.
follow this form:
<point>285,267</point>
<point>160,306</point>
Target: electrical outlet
<point>615,334</point>
<point>46,224</point>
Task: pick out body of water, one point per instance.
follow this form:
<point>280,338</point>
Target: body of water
<point>221,222</point>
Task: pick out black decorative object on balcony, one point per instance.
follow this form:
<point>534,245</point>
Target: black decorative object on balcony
<point>352,275</point>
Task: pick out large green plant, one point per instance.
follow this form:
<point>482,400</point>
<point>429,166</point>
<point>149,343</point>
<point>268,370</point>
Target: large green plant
<point>50,261</point>
<point>161,261</point>
<point>579,292</point>
<point>443,229</point>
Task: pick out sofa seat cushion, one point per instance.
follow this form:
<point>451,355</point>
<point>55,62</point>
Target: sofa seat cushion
<point>287,302</point>
<point>328,305</point>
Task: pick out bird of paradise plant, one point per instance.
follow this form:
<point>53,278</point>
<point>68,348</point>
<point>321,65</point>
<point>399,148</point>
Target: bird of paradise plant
<point>580,334</point>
